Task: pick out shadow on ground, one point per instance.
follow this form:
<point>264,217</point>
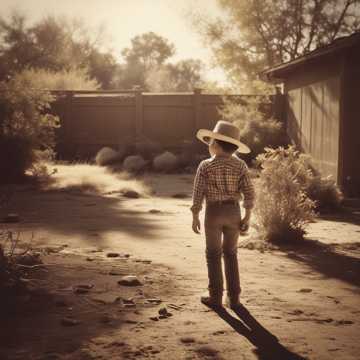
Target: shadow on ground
<point>77,213</point>
<point>327,259</point>
<point>267,345</point>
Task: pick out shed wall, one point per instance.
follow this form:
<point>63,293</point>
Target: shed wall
<point>313,115</point>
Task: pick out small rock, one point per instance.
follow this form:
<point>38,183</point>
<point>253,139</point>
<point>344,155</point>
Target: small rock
<point>129,321</point>
<point>155,211</point>
<point>187,339</point>
<point>130,280</point>
<point>154,318</point>
<point>163,312</point>
<point>112,255</point>
<point>131,194</point>
<point>114,273</point>
<point>69,322</point>
<point>305,290</point>
<point>90,259</point>
<point>153,301</point>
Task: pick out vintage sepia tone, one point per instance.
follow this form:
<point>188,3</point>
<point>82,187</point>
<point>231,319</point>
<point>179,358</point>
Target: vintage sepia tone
<point>179,179</point>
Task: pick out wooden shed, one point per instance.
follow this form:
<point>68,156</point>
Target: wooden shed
<point>322,91</point>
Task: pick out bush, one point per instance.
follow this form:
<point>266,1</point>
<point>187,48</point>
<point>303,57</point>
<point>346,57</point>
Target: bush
<point>43,79</point>
<point>256,130</point>
<point>24,127</point>
<point>325,193</point>
<point>283,208</point>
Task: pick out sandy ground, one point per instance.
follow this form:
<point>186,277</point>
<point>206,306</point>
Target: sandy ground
<point>299,302</point>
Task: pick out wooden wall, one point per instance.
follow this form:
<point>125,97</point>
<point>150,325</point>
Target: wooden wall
<point>91,120</point>
<point>313,114</point>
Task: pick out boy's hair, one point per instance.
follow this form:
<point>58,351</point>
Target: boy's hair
<point>226,146</point>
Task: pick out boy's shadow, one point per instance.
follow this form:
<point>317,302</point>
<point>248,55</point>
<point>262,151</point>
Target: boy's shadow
<point>267,345</point>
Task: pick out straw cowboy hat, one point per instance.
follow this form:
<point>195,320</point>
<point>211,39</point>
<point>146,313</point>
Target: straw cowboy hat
<point>224,131</point>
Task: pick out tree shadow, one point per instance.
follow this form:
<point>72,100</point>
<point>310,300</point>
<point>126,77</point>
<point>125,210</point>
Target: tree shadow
<point>324,259</point>
<point>267,345</point>
<point>89,215</point>
<point>344,216</point>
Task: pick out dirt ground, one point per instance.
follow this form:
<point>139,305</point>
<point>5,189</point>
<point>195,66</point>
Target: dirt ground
<point>299,302</point>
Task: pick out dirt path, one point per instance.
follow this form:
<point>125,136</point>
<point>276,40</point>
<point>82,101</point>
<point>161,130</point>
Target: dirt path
<point>308,297</point>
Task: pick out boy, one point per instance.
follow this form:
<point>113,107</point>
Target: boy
<point>221,180</point>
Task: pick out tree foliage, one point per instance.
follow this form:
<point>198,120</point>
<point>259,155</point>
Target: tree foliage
<point>54,44</point>
<point>255,34</point>
<point>184,75</point>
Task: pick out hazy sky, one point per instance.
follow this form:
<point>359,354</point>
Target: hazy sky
<point>123,19</point>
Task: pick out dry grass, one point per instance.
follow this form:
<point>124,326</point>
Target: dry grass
<point>93,178</point>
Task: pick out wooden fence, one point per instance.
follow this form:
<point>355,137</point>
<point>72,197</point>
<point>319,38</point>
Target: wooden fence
<point>93,119</point>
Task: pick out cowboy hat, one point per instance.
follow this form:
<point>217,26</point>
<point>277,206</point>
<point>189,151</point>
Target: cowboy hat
<point>224,131</point>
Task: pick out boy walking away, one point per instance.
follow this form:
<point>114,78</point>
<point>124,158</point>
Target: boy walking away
<point>222,180</point>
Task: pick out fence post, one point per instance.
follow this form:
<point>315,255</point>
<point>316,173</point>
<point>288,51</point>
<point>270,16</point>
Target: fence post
<point>197,107</point>
<point>139,120</point>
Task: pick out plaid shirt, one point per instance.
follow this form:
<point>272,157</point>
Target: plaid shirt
<point>222,178</point>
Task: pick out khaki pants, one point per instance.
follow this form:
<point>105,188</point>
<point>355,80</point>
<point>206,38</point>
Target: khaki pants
<point>222,231</point>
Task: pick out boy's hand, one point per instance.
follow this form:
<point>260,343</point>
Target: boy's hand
<point>196,225</point>
<point>244,225</point>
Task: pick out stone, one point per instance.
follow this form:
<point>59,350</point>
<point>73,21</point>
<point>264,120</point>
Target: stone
<point>107,156</point>
<point>112,255</point>
<point>166,161</point>
<point>305,290</point>
<point>154,318</point>
<point>163,312</point>
<point>153,301</point>
<point>69,322</point>
<point>131,194</point>
<point>187,340</point>
<point>134,163</point>
<point>130,280</point>
<point>155,211</point>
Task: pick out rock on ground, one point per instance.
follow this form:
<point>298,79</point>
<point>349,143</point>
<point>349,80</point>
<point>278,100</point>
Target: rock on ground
<point>134,163</point>
<point>107,156</point>
<point>166,161</point>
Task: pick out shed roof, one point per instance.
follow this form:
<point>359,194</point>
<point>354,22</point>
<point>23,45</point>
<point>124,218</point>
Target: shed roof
<point>279,72</point>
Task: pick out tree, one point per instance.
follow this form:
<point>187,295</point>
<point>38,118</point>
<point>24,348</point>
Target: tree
<point>148,50</point>
<point>255,34</point>
<point>184,75</point>
<point>54,44</point>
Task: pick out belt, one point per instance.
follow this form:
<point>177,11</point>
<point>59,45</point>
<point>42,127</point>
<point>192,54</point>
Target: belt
<point>223,202</point>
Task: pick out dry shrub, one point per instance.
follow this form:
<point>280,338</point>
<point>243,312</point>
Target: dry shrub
<point>283,208</point>
<point>25,127</point>
<point>325,193</point>
<point>93,178</point>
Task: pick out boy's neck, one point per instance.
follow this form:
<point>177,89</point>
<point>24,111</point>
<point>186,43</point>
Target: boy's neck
<point>223,155</point>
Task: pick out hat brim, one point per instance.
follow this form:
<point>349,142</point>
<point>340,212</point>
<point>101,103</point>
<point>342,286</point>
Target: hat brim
<point>202,134</point>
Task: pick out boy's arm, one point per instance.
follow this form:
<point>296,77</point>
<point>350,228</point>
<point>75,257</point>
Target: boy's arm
<point>198,197</point>
<point>247,189</point>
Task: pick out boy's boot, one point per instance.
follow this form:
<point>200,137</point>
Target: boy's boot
<point>233,301</point>
<point>213,300</point>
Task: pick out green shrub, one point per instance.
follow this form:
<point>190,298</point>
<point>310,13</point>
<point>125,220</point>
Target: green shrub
<point>256,130</point>
<point>24,127</point>
<point>43,79</point>
<point>283,208</point>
